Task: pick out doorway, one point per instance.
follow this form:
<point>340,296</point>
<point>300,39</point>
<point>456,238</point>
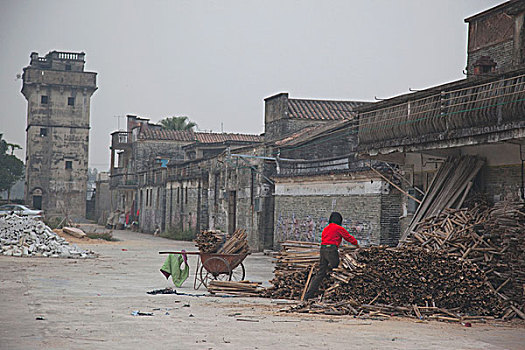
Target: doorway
<point>37,202</point>
<point>232,211</point>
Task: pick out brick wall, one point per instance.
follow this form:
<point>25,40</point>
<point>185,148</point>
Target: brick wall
<point>502,54</point>
<point>303,218</point>
<point>281,128</point>
<point>390,213</point>
<point>501,181</point>
<point>336,144</point>
<point>145,152</point>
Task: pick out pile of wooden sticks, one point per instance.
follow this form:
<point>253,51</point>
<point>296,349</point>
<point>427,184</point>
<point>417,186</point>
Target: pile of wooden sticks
<point>240,288</point>
<point>219,242</point>
<point>491,237</point>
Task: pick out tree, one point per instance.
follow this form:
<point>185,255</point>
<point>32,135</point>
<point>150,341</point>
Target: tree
<point>177,123</point>
<point>11,168</point>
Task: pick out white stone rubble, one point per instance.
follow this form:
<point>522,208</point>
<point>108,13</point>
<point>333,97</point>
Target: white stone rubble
<point>25,236</point>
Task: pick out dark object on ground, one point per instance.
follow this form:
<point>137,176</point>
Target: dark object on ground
<point>162,291</point>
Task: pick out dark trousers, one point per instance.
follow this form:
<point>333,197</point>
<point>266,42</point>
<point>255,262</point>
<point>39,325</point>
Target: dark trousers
<point>329,260</point>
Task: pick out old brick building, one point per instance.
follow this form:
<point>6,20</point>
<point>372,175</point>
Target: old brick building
<point>58,93</point>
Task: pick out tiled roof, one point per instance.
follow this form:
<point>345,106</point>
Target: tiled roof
<point>171,135</point>
<point>221,137</point>
<point>189,136</point>
<point>322,109</point>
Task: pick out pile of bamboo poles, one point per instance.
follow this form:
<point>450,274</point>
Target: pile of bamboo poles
<point>240,288</point>
<point>448,189</point>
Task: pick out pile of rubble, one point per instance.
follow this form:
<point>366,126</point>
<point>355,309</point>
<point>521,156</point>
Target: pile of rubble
<point>25,236</point>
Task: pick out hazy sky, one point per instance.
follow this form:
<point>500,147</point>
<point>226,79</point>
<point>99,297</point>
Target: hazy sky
<point>215,61</point>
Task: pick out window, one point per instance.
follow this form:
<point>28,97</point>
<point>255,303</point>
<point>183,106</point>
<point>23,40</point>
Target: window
<point>178,195</point>
<point>69,164</point>
<point>44,99</point>
<point>186,195</point>
<point>43,132</point>
<point>68,67</point>
<point>70,101</point>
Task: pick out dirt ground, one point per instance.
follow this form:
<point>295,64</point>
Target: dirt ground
<point>88,304</point>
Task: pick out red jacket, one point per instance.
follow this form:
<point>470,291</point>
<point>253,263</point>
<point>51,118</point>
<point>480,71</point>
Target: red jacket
<point>333,234</point>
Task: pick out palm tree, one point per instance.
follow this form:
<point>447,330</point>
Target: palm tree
<point>177,123</point>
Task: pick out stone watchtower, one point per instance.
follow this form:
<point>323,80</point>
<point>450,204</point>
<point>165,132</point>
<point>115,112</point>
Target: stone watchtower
<point>58,93</point>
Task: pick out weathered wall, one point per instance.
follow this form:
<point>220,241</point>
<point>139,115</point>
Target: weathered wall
<point>281,128</point>
<point>236,200</point>
<point>146,151</point>
<point>302,208</point>
<point>338,143</point>
<point>502,182</point>
<point>391,211</point>
<point>501,53</point>
<point>498,35</point>
<point>184,205</point>
<point>102,202</point>
<point>152,204</point>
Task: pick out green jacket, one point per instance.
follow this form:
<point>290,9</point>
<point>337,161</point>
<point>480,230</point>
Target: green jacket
<point>172,266</point>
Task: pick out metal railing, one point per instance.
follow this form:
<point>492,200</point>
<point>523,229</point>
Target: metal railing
<point>494,103</point>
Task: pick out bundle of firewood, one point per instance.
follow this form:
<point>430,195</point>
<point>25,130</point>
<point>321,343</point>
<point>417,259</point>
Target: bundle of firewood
<point>240,288</point>
<point>236,244</point>
<point>491,237</point>
<point>210,241</point>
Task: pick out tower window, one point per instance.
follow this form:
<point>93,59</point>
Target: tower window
<point>69,164</point>
<point>68,67</point>
<point>70,101</point>
<point>44,99</point>
<point>43,132</point>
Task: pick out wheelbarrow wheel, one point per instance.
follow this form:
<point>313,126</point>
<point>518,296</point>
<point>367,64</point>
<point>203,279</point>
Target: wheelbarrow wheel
<point>207,276</point>
<point>238,273</point>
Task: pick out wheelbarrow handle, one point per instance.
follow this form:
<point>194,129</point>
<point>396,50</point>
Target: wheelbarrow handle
<point>188,253</point>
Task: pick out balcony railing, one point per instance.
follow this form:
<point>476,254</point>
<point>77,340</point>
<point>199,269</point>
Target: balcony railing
<point>445,114</point>
<point>323,166</point>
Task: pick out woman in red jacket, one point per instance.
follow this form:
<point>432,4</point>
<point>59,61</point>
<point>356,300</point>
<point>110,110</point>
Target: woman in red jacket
<point>330,241</point>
